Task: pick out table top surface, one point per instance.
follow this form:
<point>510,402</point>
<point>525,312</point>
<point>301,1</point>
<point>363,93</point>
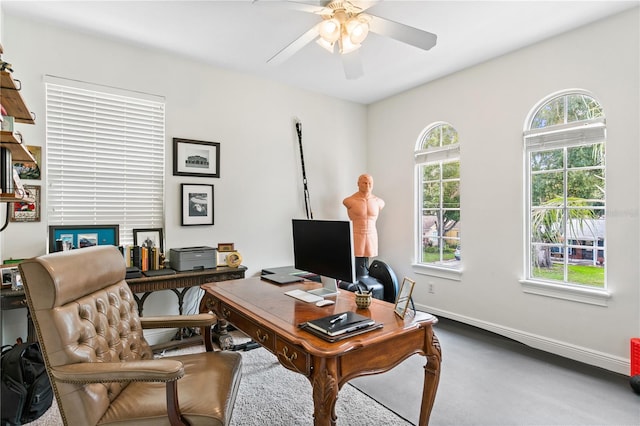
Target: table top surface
<point>220,270</point>
<point>268,305</point>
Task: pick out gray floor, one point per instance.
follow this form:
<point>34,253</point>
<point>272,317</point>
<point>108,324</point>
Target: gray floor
<point>487,379</point>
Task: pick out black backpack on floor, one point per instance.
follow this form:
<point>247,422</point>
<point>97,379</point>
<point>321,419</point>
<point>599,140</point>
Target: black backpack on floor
<point>26,390</point>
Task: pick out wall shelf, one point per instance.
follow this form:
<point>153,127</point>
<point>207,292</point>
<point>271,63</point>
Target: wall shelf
<point>13,103</point>
<point>14,198</point>
<point>19,152</point>
<point>12,100</point>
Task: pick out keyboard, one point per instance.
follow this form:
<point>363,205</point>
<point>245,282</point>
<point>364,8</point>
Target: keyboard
<point>304,296</point>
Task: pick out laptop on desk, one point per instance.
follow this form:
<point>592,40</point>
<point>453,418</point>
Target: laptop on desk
<point>282,278</point>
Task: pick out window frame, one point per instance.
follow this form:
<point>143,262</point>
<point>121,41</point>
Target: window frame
<point>423,157</point>
<point>563,136</point>
<point>86,119</point>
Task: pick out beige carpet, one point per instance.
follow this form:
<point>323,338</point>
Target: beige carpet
<point>271,395</point>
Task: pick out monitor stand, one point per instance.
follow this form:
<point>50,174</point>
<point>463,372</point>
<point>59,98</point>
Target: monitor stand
<point>329,287</point>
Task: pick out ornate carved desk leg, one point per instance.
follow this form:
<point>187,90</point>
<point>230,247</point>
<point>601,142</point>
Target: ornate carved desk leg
<point>431,375</point>
<point>325,391</point>
<point>220,334</point>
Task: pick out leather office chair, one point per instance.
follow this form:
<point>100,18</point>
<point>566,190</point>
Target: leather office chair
<point>101,367</point>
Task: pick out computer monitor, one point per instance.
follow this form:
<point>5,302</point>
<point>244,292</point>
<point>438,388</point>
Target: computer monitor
<point>325,247</point>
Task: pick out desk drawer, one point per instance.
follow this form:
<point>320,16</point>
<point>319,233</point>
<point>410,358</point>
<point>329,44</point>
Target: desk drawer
<point>293,357</point>
<point>265,337</point>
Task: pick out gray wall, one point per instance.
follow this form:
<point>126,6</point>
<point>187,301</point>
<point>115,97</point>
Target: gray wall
<point>253,120</point>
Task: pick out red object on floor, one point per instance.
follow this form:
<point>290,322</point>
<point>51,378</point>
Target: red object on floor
<point>635,356</point>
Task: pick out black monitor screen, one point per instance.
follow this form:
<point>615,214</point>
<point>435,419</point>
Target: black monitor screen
<point>324,247</point>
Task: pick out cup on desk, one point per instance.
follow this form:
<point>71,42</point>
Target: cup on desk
<point>363,300</point>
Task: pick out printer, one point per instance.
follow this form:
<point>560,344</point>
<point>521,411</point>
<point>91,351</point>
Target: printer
<point>193,258</point>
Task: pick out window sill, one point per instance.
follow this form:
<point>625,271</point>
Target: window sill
<point>436,271</point>
<point>589,296</point>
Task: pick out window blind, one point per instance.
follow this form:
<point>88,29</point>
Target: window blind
<point>105,157</point>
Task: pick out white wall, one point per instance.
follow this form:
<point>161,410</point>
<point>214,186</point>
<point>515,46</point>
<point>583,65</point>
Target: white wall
<point>260,184</point>
<point>488,105</point>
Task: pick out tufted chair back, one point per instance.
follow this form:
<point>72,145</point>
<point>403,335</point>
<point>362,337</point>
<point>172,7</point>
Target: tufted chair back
<point>84,311</point>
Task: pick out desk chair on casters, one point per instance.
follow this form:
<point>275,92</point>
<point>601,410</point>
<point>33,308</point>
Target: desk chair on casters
<point>101,367</point>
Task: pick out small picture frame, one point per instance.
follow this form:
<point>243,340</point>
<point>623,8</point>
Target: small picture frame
<point>196,158</point>
<point>30,170</point>
<point>232,258</point>
<point>8,274</point>
<point>151,237</point>
<point>222,247</point>
<point>24,211</point>
<point>222,258</point>
<point>197,204</point>
<point>404,297</point>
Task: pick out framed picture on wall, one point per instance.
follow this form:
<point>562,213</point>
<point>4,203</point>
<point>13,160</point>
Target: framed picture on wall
<point>30,170</point>
<point>196,158</point>
<point>197,204</point>
<point>24,211</point>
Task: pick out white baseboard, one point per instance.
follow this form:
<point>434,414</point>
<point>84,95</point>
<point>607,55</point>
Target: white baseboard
<point>159,335</point>
<point>577,353</point>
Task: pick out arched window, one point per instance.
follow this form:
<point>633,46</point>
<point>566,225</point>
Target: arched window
<point>564,141</point>
<point>437,159</point>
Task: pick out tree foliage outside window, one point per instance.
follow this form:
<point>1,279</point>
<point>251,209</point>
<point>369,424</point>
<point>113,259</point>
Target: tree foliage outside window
<point>438,169</point>
<point>565,146</point>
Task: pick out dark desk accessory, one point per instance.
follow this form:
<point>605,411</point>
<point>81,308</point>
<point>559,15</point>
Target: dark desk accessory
<point>159,272</point>
<point>132,272</point>
<point>305,326</point>
<point>338,324</point>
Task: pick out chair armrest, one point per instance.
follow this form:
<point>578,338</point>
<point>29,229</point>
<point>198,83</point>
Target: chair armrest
<point>178,321</point>
<point>153,370</point>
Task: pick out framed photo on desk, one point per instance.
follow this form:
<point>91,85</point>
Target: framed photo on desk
<point>78,236</point>
<point>404,297</point>
<point>150,238</point>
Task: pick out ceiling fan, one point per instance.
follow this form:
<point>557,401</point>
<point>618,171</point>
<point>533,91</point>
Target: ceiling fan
<point>343,29</point>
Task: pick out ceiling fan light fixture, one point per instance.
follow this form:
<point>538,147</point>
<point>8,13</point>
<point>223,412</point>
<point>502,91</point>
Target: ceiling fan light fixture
<point>357,28</point>
<point>330,30</point>
<point>346,45</point>
<point>325,44</point>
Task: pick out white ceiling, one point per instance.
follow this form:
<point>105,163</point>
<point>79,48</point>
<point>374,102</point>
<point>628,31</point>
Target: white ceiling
<point>242,35</point>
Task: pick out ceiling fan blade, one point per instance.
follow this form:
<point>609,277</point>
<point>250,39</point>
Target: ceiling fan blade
<point>401,32</point>
<point>294,46</point>
<point>352,64</point>
<point>294,5</point>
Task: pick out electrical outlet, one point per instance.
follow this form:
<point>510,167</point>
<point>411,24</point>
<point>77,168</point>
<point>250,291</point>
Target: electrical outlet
<point>432,288</point>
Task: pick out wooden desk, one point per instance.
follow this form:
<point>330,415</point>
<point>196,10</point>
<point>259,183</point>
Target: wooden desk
<point>180,282</point>
<point>270,317</point>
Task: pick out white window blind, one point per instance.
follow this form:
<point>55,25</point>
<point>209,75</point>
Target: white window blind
<point>105,157</point>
